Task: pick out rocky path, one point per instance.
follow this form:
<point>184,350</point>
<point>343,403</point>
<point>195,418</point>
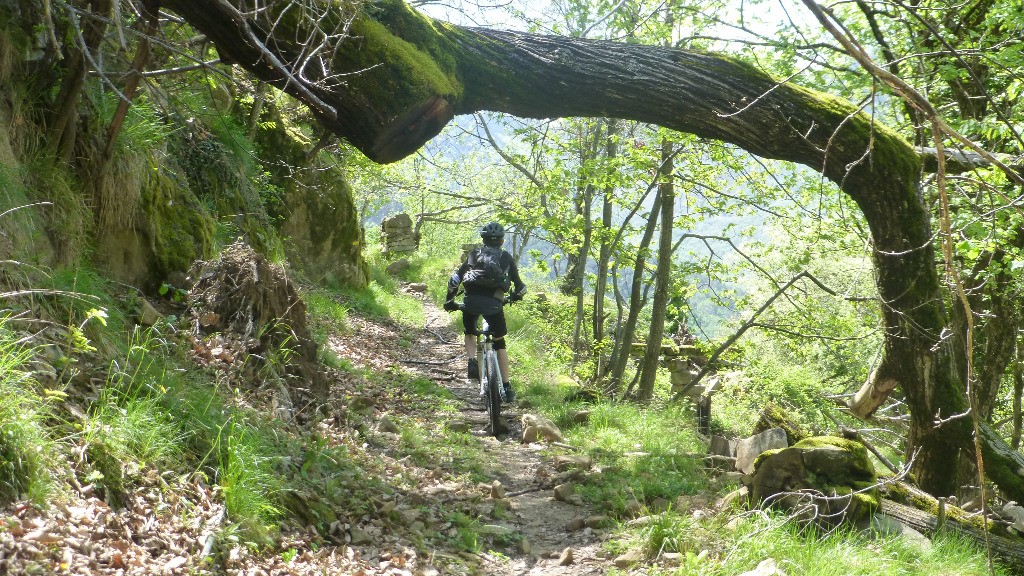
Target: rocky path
<point>555,539</point>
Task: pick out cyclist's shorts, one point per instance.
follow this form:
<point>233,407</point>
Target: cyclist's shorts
<point>481,304</point>
<point>496,322</point>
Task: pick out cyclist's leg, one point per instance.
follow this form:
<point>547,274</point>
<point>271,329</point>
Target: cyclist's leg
<point>469,322</point>
<point>499,329</point>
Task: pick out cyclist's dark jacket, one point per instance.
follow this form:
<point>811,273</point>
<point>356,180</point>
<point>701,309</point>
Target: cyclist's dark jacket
<point>480,300</point>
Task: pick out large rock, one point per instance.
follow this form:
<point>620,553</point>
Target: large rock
<point>398,266</point>
<point>722,446</point>
<point>748,449</point>
<point>319,221</point>
<point>824,479</point>
<point>1015,514</point>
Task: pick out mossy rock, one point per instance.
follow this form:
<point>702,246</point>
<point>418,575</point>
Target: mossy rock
<point>316,216</point>
<point>775,416</point>
<point>180,229</point>
<point>825,479</point>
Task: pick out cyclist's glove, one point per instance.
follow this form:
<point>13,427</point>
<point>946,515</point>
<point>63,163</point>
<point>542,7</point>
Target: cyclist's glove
<point>518,295</point>
<point>451,305</point>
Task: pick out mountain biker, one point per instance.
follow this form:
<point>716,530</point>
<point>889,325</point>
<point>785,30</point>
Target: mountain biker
<point>485,299</point>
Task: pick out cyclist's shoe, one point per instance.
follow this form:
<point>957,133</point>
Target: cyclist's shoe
<point>473,369</point>
<point>510,394</point>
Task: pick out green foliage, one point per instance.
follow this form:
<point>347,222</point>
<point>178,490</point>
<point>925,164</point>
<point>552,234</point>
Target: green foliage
<point>128,430</point>
<point>220,164</point>
<point>327,314</point>
<point>667,532</point>
<point>125,435</point>
<point>17,222</point>
<point>241,451</point>
<point>143,129</point>
<point>84,301</point>
<point>772,377</point>
<point>843,553</point>
<point>467,531</point>
<point>28,450</point>
<point>643,452</point>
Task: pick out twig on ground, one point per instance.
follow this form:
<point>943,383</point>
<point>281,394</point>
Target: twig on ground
<point>523,491</point>
<point>431,362</point>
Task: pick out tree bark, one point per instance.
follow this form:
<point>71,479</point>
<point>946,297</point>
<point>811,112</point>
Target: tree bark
<point>64,121</point>
<point>148,25</point>
<point>580,281</point>
<point>407,75</point>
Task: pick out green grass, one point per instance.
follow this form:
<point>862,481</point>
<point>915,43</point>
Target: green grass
<point>248,479</point>
<point>644,453</point>
<point>128,429</point>
<point>844,553</point>
<point>381,299</point>
<point>27,448</point>
<point>124,436</point>
<point>84,301</point>
<point>430,445</point>
<point>240,450</point>
<point>723,545</point>
<point>329,314</point>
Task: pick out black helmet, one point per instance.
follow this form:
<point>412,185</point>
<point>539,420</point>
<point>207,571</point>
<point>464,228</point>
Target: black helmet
<point>492,230</point>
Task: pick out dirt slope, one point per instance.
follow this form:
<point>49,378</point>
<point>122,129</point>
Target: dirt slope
<point>174,524</point>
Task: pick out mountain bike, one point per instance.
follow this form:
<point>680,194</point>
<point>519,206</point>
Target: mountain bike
<point>489,377</point>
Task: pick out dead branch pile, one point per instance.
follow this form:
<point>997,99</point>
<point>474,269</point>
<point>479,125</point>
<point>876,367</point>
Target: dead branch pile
<point>258,317</point>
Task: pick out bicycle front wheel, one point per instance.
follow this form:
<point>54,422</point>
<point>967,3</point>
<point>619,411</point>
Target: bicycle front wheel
<point>493,395</point>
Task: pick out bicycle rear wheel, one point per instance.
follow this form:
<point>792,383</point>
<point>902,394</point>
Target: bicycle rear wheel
<point>493,396</point>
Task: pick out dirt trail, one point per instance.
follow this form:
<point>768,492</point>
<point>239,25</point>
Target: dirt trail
<point>436,352</point>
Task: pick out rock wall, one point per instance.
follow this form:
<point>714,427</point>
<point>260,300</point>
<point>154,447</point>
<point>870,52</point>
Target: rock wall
<point>321,230</point>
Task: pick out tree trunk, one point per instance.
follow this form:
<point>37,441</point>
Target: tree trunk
<point>581,264</point>
<point>148,27</point>
<point>605,250</point>
<point>1007,549</point>
<point>624,341</point>
<point>408,75</point>
<point>667,194</point>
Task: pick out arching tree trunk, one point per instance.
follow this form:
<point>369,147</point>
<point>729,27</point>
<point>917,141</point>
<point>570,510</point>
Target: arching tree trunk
<point>407,75</point>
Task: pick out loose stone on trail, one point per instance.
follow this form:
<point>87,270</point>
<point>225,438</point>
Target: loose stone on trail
<point>563,492</point>
<point>497,490</point>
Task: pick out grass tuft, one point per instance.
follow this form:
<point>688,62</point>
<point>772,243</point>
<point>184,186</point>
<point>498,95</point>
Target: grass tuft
<point>27,448</point>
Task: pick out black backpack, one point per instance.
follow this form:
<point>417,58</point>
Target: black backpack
<point>485,269</point>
